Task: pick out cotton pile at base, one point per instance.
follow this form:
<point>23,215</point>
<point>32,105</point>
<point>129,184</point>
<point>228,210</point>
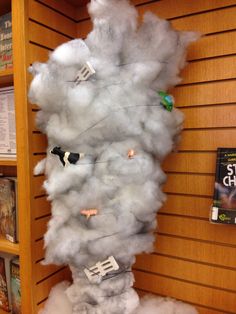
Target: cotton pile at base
<point>157,305</point>
<point>59,304</point>
<point>108,132</point>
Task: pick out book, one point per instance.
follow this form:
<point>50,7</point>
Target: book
<point>15,286</point>
<point>6,41</point>
<point>7,123</point>
<point>8,209</point>
<point>224,200</point>
<point>5,295</point>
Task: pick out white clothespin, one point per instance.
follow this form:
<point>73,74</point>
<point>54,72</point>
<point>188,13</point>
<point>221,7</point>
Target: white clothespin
<point>84,73</point>
<point>101,269</point>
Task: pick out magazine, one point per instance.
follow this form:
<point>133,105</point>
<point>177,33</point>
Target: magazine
<point>7,123</point>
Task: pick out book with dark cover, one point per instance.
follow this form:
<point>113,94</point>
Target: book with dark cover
<point>224,200</point>
<point>8,208</point>
<point>5,41</point>
<point>15,286</point>
<point>4,288</point>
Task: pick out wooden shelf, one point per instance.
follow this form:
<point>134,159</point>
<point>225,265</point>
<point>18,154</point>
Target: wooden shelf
<point>8,247</point>
<point>6,76</point>
<point>8,162</point>
<point>3,312</point>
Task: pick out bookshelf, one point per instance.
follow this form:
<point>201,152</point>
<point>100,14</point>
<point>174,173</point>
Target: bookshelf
<point>41,25</point>
<point>8,165</point>
<point>6,76</point>
<point>8,247</point>
<point>29,29</point>
<point>12,162</point>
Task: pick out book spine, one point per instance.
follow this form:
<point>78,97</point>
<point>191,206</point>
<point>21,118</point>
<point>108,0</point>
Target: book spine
<point>7,123</point>
<point>5,41</point>
<point>15,287</point>
<point>4,298</point>
<point>217,175</point>
<point>8,208</point>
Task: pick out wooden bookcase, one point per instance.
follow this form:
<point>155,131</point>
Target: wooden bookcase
<point>33,209</point>
<point>193,261</point>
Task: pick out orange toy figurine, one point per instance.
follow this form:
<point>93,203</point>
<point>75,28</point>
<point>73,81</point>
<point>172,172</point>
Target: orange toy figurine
<point>89,212</point>
<point>131,153</point>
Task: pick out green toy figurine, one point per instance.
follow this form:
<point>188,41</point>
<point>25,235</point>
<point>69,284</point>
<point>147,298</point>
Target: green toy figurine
<point>167,101</point>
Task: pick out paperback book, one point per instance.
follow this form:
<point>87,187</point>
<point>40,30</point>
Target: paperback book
<point>8,209</point>
<point>15,286</point>
<point>5,41</point>
<point>224,200</point>
<point>5,295</point>
<point>7,123</point>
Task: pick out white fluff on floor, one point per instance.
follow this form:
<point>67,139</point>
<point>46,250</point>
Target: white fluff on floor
<point>58,303</point>
<point>158,305</point>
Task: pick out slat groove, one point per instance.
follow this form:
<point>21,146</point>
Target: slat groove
<point>44,279</point>
<point>50,28</point>
<point>194,304</point>
<point>181,216</point>
<point>147,2</point>
<point>55,10</point>
<point>43,216</point>
<point>197,262</point>
<point>196,240</point>
<point>205,106</point>
<point>183,194</point>
<point>39,45</point>
<point>211,58</point>
<point>201,12</point>
<point>183,280</point>
<point>38,303</point>
<point>206,82</point>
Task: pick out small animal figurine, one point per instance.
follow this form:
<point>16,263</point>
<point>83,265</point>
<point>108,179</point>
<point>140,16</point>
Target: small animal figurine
<point>89,212</point>
<point>66,157</point>
<point>167,101</point>
<point>131,154</point>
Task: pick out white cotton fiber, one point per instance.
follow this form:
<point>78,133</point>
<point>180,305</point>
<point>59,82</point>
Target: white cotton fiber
<point>159,305</point>
<point>69,54</point>
<point>58,302</point>
<point>107,137</point>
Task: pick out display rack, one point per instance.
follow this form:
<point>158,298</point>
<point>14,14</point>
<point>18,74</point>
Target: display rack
<point>194,261</point>
<point>33,209</point>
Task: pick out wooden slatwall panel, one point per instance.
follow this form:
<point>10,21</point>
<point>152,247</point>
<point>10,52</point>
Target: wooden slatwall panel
<point>51,23</point>
<point>194,260</point>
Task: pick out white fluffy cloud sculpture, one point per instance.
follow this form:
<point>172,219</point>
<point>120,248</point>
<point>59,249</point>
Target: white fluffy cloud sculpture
<point>108,131</point>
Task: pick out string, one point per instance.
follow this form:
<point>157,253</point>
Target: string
<point>115,111</point>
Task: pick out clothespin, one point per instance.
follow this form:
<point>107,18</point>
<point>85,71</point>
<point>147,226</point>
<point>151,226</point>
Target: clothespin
<point>84,73</point>
<point>101,269</point>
